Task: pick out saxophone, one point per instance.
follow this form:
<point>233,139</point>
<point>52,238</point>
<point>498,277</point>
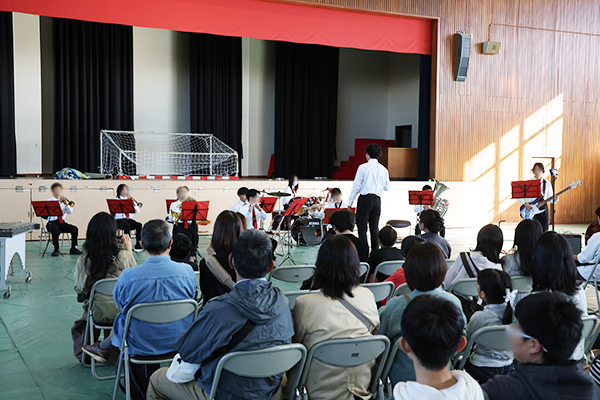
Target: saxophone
<point>440,205</point>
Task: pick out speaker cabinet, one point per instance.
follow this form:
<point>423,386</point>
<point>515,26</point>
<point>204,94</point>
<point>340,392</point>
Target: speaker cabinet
<point>463,53</point>
<point>574,242</point>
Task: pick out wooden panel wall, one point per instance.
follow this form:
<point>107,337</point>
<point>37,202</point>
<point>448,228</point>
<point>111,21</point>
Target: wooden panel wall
<point>538,97</point>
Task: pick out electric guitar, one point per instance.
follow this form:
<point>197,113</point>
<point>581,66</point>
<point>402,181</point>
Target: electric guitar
<point>537,206</point>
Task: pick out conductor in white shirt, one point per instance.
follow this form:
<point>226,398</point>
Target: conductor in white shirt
<point>370,181</point>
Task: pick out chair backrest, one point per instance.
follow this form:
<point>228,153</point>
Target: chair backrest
<point>387,268</point>
<point>293,273</point>
<point>261,363</point>
<point>381,290</point>
<point>402,290</point>
<point>450,263</point>
<point>348,353</point>
<point>590,331</point>
<point>293,296</point>
<point>103,286</point>
<point>163,312</point>
<point>592,276</point>
<point>197,273</point>
<point>493,337</point>
<point>364,270</point>
<point>385,373</point>
<point>522,284</point>
<point>465,287</point>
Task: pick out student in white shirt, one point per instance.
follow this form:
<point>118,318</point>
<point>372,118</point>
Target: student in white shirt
<point>188,228</point>
<point>242,202</point>
<point>588,257</point>
<point>547,193</point>
<point>252,211</point>
<point>124,220</point>
<point>292,189</point>
<point>432,332</point>
<point>58,225</point>
<point>370,181</point>
<point>419,208</point>
<point>335,201</point>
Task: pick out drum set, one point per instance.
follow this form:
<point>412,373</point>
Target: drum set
<point>304,228</point>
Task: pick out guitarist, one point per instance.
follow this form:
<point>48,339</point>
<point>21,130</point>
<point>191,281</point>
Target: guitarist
<point>547,193</point>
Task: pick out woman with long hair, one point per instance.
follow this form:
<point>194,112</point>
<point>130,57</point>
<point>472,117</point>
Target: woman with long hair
<point>291,189</point>
<point>325,315</point>
<point>431,224</point>
<point>490,240</point>
<point>553,269</point>
<point>226,231</point>
<point>526,235</point>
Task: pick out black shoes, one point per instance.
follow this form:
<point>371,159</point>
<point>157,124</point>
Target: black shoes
<point>55,253</point>
<point>74,251</point>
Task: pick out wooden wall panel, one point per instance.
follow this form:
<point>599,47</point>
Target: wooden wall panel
<point>538,97</point>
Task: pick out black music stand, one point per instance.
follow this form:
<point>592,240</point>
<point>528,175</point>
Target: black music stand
<point>293,209</point>
<point>268,204</point>
<point>526,189</point>
<point>120,206</point>
<point>45,209</point>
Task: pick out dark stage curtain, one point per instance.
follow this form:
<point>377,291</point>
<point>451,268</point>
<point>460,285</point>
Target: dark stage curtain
<point>93,89</point>
<point>424,141</point>
<point>216,88</point>
<point>306,91</point>
<point>8,156</point>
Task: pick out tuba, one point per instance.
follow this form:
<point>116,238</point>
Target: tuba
<point>440,205</point>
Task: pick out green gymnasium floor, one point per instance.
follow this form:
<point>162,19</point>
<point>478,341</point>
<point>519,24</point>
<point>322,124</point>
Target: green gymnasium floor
<point>36,352</point>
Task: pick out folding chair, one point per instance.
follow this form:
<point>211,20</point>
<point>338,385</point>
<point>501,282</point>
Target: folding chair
<point>347,353</point>
<point>522,284</point>
<point>492,337</point>
<point>364,270</point>
<point>449,262</point>
<point>402,290</point>
<point>589,279</point>
<point>387,268</point>
<point>385,374</point>
<point>163,312</point>
<point>465,287</point>
<point>261,364</point>
<point>591,328</point>
<point>293,273</point>
<point>46,237</point>
<point>104,287</point>
<point>199,294</point>
<point>381,290</point>
<point>293,296</point>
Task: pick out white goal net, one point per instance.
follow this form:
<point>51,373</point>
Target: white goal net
<point>157,153</point>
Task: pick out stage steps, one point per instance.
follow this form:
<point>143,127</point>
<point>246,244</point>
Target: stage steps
<point>347,169</point>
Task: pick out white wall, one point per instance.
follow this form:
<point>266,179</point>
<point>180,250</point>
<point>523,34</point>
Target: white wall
<point>377,91</point>
<point>258,105</point>
<point>28,93</point>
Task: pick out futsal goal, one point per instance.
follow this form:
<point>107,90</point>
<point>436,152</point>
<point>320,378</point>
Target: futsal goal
<point>125,153</point>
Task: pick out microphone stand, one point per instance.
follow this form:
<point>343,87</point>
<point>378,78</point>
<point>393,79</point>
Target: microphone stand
<point>554,173</point>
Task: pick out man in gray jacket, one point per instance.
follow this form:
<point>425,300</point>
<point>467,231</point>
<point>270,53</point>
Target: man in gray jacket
<point>253,307</point>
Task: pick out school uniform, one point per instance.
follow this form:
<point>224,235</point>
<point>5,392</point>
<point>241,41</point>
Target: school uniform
<point>253,216</point>
<point>285,201</point>
<point>125,222</point>
<point>237,207</point>
<point>58,225</point>
<point>188,228</point>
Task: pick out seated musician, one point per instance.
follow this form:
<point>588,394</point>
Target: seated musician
<point>188,228</point>
<point>243,200</point>
<point>58,225</point>
<point>588,257</point>
<point>123,219</point>
<point>335,201</point>
<point>253,211</point>
<point>419,209</point>
<point>292,189</point>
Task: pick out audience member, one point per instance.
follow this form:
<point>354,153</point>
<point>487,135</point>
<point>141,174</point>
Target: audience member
<point>183,251</point>
<point>387,251</point>
<point>419,209</point>
<point>327,315</point>
<point>526,235</point>
<point>432,332</point>
<point>486,255</point>
<point>102,258</point>
<point>432,223</point>
<point>213,277</point>
<point>553,269</point>
<point>589,255</point>
<point>343,223</point>
<point>425,269</point>
<point>495,289</point>
<point>254,307</point>
<point>547,331</point>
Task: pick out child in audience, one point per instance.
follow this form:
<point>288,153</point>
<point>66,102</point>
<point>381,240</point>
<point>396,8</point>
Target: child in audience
<point>432,330</point>
<point>432,224</point>
<point>387,251</point>
<point>408,242</point>
<point>495,289</point>
<point>419,209</point>
<point>425,268</point>
<point>526,235</point>
<point>547,331</point>
<point>486,255</point>
<point>182,250</point>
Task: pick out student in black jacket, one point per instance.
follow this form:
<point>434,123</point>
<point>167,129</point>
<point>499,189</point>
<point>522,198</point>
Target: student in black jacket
<point>182,250</point>
<point>547,330</point>
<point>387,252</point>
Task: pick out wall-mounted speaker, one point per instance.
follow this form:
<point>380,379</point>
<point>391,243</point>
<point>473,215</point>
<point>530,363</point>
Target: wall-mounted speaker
<point>463,53</point>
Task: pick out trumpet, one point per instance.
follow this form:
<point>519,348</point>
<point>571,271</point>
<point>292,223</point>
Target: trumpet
<point>66,201</point>
<point>137,203</point>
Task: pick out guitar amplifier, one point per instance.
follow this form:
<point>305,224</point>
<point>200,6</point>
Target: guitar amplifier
<point>574,242</point>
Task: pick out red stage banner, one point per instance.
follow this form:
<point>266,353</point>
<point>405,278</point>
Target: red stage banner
<point>259,19</point>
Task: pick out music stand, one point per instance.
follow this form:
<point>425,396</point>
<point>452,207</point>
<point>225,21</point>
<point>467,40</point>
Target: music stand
<point>45,209</point>
<point>526,189</point>
<point>194,211</point>
<point>268,204</point>
<point>169,202</point>
<point>329,212</point>
<point>420,197</point>
<point>120,206</point>
<point>294,207</point>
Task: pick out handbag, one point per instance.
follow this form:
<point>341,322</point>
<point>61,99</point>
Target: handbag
<point>218,271</point>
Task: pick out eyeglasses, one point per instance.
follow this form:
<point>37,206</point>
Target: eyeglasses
<point>511,330</point>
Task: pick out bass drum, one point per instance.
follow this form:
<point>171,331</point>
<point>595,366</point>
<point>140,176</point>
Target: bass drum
<point>307,231</point>
<point>279,219</point>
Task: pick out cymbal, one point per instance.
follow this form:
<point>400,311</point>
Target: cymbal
<point>279,194</point>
